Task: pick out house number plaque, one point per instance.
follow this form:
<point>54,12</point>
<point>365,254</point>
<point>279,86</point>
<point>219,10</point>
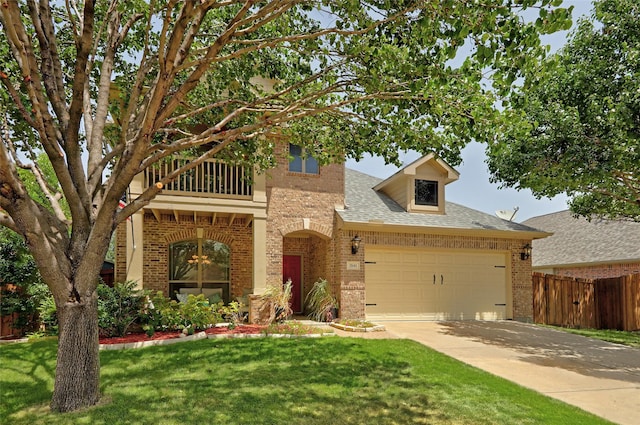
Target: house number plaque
<point>353,265</point>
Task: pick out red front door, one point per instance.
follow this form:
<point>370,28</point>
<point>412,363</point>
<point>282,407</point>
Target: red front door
<point>292,269</point>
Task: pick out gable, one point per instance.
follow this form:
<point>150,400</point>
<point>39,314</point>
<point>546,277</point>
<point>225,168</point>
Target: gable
<point>420,186</point>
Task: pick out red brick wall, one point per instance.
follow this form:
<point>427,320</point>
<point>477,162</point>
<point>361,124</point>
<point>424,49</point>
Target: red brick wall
<point>302,203</point>
<point>158,236</point>
<point>599,271</point>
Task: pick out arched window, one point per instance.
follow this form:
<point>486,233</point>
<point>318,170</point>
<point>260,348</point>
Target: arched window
<point>199,266</point>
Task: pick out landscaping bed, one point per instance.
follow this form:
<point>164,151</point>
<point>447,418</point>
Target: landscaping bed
<point>163,335</point>
<point>289,328</point>
<point>355,325</point>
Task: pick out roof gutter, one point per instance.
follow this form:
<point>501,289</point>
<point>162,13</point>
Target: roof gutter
<point>381,226</point>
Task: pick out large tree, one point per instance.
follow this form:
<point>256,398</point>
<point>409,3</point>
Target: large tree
<point>107,88</point>
<point>576,121</point>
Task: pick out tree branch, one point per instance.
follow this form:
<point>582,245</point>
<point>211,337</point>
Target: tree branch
<point>51,67</point>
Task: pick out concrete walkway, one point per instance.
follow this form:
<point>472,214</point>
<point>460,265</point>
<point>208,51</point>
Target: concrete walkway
<point>596,376</point>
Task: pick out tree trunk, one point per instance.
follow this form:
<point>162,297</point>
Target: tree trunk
<point>77,382</point>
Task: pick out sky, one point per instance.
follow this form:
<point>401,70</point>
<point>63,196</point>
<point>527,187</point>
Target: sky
<point>473,188</point>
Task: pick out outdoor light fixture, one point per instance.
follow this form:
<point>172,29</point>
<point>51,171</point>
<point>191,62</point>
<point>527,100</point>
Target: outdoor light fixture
<point>526,252</point>
<point>355,244</point>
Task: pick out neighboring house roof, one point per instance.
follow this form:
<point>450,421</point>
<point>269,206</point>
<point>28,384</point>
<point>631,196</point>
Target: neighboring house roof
<point>367,206</point>
<point>579,241</point>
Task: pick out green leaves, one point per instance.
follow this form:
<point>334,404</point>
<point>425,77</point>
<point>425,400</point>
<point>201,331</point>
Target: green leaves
<point>574,125</point>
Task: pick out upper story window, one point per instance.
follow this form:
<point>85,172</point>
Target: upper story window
<point>426,192</point>
<point>300,162</point>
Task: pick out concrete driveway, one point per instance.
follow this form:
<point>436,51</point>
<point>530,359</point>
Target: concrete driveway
<point>599,377</point>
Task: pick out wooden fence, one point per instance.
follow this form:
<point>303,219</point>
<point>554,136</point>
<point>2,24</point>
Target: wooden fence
<point>582,303</point>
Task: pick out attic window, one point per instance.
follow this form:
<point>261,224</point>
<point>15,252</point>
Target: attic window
<point>301,162</point>
<point>426,192</point>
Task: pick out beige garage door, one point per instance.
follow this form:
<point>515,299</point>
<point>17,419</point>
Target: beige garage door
<point>435,285</point>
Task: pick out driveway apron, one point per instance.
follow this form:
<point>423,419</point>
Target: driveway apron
<point>596,376</point>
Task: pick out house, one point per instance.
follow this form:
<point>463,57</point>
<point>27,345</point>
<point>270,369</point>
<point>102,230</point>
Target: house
<point>390,248</point>
<point>586,249</point>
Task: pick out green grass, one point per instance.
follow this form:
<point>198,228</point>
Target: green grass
<point>307,381</point>
<point>632,339</point>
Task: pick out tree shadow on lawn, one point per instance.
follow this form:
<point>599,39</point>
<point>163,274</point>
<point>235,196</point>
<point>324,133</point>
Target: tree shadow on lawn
<point>264,381</point>
<point>28,372</point>
<point>296,381</point>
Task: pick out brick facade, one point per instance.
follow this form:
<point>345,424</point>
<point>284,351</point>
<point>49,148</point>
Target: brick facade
<point>300,217</point>
<point>301,220</point>
<point>159,235</point>
<point>598,271</point>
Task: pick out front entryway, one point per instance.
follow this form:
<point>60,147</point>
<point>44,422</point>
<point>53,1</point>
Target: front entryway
<point>435,285</point>
<point>292,269</point>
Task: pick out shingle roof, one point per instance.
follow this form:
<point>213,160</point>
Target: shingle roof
<point>579,241</point>
<point>364,205</point>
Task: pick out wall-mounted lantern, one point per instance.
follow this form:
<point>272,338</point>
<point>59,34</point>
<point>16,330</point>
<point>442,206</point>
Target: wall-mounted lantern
<point>526,252</point>
<point>355,244</point>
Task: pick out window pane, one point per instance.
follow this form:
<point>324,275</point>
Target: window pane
<point>295,165</point>
<point>180,253</point>
<point>426,192</point>
<point>311,166</point>
<point>215,267</point>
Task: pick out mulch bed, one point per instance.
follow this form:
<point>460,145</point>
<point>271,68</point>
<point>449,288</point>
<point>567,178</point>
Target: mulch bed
<point>242,329</point>
<point>140,336</point>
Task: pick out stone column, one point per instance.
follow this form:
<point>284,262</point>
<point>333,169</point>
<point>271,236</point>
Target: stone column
<point>135,248</point>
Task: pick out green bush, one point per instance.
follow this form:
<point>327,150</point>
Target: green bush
<point>164,314</point>
<point>26,290</point>
<point>119,307</point>
<point>160,314</point>
<point>197,313</point>
<point>47,312</point>
<point>231,313</point>
<point>16,303</point>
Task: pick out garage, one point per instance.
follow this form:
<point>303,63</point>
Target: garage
<point>421,284</point>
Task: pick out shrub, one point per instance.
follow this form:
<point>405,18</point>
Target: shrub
<point>17,303</point>
<point>197,313</point>
<point>231,313</point>
<point>23,289</point>
<point>119,307</point>
<point>48,314</point>
<point>162,313</point>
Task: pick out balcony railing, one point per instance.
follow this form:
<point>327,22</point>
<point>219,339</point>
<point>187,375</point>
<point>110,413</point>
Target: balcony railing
<point>211,178</point>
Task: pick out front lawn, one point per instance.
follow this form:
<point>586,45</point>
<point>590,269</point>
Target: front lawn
<point>632,339</point>
<point>331,380</point>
